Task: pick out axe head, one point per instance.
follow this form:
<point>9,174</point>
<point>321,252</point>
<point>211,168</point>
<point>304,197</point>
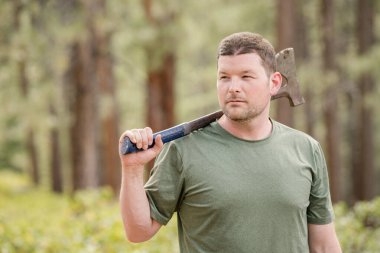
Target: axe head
<point>290,87</point>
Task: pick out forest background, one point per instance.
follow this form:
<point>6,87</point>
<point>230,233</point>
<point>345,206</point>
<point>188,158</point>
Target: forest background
<point>74,74</point>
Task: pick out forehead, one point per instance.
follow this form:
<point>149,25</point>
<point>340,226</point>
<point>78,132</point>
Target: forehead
<point>241,62</point>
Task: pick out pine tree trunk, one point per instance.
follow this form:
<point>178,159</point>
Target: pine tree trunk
<point>33,168</point>
<point>364,171</point>
<point>32,152</point>
<point>95,129</point>
<point>331,109</point>
<point>286,38</point>
<point>55,157</point>
<point>302,54</point>
<point>160,114</point>
<point>84,127</point>
<point>110,165</point>
<point>161,73</point>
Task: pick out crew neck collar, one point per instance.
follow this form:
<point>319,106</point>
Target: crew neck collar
<point>225,132</point>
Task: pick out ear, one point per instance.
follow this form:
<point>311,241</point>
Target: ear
<point>275,83</point>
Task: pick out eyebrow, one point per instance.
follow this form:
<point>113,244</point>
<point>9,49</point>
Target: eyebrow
<point>248,72</point>
<point>243,72</point>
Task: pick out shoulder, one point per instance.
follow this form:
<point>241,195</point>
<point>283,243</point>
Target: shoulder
<point>294,136</point>
<point>196,137</point>
<point>198,143</point>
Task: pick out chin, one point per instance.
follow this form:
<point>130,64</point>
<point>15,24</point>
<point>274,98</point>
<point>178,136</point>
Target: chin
<point>239,115</point>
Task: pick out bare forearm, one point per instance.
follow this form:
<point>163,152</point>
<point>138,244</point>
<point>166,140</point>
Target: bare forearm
<point>134,204</point>
<point>323,239</point>
<point>331,249</point>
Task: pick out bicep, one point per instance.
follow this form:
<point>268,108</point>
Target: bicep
<point>322,238</point>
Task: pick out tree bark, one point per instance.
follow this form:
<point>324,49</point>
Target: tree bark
<point>161,73</point>
<point>84,127</point>
<point>160,89</point>
<point>32,152</point>
<point>302,49</point>
<point>331,116</point>
<point>286,38</point>
<point>110,165</point>
<point>33,168</point>
<point>95,128</point>
<point>364,171</point>
<point>55,157</point>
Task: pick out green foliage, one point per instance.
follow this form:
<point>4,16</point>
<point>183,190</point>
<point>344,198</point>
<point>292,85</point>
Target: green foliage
<point>41,34</point>
<point>33,220</point>
<point>40,37</point>
<point>358,228</point>
<point>38,221</point>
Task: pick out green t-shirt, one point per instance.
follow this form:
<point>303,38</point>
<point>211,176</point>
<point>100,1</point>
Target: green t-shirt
<point>234,195</point>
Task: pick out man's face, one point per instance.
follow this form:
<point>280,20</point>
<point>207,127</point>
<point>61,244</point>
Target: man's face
<point>243,86</point>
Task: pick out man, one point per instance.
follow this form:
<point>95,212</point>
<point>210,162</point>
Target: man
<point>246,183</point>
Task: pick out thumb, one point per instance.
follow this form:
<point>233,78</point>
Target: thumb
<point>158,144</point>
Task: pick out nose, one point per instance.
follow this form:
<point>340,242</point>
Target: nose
<point>235,85</point>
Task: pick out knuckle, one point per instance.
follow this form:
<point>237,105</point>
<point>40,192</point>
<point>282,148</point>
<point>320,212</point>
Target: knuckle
<point>124,135</point>
<point>136,131</point>
<point>142,132</point>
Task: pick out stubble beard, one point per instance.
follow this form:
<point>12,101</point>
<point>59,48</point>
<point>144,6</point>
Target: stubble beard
<point>242,115</point>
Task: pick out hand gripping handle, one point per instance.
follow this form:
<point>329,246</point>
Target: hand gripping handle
<point>167,135</point>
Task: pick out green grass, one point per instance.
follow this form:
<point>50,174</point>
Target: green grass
<point>35,220</point>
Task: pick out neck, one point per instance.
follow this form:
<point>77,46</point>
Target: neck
<point>254,129</point>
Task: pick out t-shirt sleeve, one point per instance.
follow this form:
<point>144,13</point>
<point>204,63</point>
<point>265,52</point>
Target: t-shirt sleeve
<point>164,187</point>
<point>320,209</point>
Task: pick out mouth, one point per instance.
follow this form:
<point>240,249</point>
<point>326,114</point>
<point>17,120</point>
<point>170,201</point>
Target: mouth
<point>228,101</point>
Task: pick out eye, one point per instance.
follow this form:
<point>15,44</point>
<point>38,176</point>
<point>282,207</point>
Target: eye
<point>248,77</point>
<point>222,77</point>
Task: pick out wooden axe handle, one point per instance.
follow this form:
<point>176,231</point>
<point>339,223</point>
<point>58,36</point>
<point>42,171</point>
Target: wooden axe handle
<point>289,88</point>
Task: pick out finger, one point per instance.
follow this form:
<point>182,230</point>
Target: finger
<point>138,138</point>
<point>124,138</point>
<point>144,138</point>
<point>150,135</point>
<point>158,144</point>
<point>128,134</point>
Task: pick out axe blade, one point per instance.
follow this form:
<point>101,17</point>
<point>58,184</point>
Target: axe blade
<point>290,87</point>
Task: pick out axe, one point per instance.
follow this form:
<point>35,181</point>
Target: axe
<point>289,88</point>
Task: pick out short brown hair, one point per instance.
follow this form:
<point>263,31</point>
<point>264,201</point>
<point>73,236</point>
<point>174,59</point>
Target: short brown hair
<point>247,42</point>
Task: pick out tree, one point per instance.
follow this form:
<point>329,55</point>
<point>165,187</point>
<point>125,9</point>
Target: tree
<point>109,120</point>
<point>330,108</point>
<point>161,70</point>
<point>84,126</point>
<point>364,171</point>
<point>302,54</point>
<point>55,157</point>
<point>94,133</point>
<point>286,38</point>
<point>23,82</point>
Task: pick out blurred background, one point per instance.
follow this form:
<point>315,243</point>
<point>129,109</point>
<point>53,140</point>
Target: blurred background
<point>75,74</point>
